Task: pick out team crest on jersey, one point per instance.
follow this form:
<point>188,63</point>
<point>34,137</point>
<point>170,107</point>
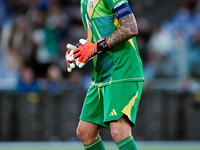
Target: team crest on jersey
<point>90,7</point>
<point>91,4</point>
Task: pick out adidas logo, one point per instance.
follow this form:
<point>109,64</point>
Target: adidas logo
<point>113,113</point>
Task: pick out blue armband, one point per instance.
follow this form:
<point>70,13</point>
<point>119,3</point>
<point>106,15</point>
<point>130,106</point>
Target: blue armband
<point>122,11</point>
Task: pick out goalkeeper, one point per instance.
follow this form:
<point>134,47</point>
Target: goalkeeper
<point>117,80</point>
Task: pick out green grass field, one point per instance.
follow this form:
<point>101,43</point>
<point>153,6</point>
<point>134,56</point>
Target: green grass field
<point>142,145</point>
<point>83,149</point>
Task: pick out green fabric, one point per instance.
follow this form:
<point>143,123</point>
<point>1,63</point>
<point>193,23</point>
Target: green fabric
<point>97,145</point>
<point>106,104</point>
<point>121,63</point>
<point>127,144</point>
<point>111,3</point>
<point>52,41</point>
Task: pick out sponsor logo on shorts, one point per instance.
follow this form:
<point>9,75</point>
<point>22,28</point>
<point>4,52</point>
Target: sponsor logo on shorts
<point>113,113</point>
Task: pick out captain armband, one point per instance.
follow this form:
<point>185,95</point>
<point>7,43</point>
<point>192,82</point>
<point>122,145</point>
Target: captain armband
<point>122,11</point>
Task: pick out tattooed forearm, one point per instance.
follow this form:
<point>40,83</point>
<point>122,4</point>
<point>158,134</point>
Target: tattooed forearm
<point>127,30</point>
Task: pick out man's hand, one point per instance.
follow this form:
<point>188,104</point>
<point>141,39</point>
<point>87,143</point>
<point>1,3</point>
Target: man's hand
<point>83,54</point>
<point>70,64</point>
<point>87,52</point>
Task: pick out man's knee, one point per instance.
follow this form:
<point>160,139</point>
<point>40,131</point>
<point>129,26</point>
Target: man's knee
<point>81,134</point>
<point>116,133</point>
<point>119,132</point>
<point>120,129</point>
<point>87,134</point>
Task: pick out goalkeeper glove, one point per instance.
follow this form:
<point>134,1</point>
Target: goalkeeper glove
<point>87,52</point>
<point>70,64</point>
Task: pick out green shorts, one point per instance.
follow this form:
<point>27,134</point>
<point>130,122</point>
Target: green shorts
<point>103,105</point>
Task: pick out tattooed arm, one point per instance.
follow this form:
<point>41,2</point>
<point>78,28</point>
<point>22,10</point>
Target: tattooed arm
<point>128,29</point>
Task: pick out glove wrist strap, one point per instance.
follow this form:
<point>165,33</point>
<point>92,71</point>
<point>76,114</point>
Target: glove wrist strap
<point>102,44</point>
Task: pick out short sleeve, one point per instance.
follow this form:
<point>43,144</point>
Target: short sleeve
<point>113,3</point>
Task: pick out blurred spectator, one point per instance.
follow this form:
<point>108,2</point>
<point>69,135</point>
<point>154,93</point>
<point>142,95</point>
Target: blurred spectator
<point>76,80</point>
<point>144,29</point>
<point>161,47</point>
<point>35,33</point>
<point>47,44</point>
<point>27,82</point>
<point>175,54</point>
<point>15,46</point>
<point>194,61</point>
<point>54,77</point>
<point>180,55</point>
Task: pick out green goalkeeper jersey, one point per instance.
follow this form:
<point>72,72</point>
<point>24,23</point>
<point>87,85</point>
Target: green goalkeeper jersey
<point>121,63</point>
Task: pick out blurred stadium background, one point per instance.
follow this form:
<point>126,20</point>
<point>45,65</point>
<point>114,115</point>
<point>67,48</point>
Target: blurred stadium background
<point>41,101</point>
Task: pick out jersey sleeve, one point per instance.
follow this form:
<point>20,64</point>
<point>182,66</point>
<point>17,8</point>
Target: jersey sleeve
<point>111,4</point>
